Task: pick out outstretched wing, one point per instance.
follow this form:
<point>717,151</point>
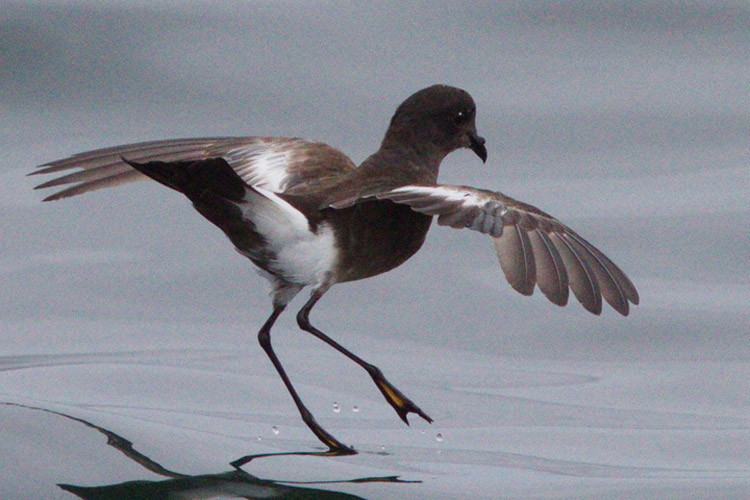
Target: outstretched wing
<point>277,164</point>
<point>533,247</point>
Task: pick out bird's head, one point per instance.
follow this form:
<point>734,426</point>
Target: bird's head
<point>441,117</point>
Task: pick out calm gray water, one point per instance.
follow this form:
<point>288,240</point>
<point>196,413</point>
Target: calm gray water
<point>128,359</point>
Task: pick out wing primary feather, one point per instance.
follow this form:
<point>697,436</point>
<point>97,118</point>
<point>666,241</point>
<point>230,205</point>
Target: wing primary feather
<point>550,270</point>
<point>608,285</point>
<point>86,175</point>
<point>90,159</point>
<point>114,180</point>
<point>517,259</point>
<point>620,278</point>
<point>116,166</point>
<point>580,276</point>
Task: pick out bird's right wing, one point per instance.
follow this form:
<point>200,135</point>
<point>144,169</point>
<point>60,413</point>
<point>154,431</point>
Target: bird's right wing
<point>277,164</point>
<point>533,247</point>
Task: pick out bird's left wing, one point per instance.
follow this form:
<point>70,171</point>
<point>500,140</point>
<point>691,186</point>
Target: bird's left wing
<point>533,247</point>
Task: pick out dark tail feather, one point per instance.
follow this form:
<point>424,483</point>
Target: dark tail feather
<point>194,178</point>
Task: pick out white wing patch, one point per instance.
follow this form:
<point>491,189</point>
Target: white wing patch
<point>447,193</point>
<point>261,166</point>
<point>455,206</point>
<point>266,164</point>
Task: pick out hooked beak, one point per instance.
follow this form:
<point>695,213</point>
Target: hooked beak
<point>476,144</point>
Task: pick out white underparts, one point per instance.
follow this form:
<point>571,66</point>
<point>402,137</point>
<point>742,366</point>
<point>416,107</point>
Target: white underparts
<point>300,255</point>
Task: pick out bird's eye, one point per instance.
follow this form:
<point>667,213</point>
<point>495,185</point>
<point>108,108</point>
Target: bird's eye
<point>462,116</point>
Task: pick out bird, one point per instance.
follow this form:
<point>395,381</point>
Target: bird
<point>307,216</point>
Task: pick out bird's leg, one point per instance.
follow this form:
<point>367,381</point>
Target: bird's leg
<point>264,337</point>
<point>395,397</point>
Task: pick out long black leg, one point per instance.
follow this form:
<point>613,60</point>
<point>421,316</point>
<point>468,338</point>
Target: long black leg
<point>264,337</point>
<point>395,398</point>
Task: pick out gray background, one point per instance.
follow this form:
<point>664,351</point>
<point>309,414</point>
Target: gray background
<point>628,121</point>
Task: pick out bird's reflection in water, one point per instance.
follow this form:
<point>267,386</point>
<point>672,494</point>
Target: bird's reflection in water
<point>235,483</point>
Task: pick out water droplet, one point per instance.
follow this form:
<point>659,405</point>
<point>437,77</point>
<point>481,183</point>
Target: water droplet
<point>336,407</point>
<point>275,430</point>
<point>439,438</point>
<point>355,408</point>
